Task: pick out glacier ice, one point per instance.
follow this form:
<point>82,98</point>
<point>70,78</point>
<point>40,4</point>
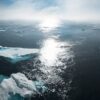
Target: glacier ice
<point>19,84</point>
<point>15,54</point>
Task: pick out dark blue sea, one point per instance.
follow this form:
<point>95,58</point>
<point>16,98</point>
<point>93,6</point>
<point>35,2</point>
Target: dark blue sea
<point>66,58</point>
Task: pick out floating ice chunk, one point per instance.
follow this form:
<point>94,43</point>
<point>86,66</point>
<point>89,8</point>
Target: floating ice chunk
<point>2,30</point>
<point>19,84</point>
<point>16,54</point>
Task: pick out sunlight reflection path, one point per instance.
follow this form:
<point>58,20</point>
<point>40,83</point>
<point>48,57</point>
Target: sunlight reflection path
<point>49,25</point>
<point>53,56</point>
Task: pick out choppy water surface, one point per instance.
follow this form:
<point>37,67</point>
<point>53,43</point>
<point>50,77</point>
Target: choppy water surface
<point>66,58</point>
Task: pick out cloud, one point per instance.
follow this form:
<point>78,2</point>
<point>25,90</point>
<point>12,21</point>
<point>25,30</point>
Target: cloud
<point>27,10</point>
<point>81,10</point>
<point>45,10</point>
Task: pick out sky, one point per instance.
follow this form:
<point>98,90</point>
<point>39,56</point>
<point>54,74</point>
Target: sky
<point>50,10</point>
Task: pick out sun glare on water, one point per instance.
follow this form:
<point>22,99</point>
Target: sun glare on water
<point>52,54</point>
<point>49,24</point>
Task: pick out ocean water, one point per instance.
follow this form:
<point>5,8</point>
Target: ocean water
<point>67,60</point>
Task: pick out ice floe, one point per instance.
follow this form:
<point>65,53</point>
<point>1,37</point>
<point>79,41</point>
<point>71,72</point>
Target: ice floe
<point>16,54</point>
<point>19,84</point>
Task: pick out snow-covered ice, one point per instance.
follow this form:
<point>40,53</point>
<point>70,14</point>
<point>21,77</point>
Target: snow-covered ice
<point>15,54</point>
<point>19,84</point>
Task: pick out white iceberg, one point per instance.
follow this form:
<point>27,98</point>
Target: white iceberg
<point>17,54</point>
<point>19,84</point>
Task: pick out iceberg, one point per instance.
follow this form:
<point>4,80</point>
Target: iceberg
<point>19,84</point>
<point>14,54</point>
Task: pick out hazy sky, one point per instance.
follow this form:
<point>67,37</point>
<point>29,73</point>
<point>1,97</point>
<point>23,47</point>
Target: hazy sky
<point>53,10</point>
